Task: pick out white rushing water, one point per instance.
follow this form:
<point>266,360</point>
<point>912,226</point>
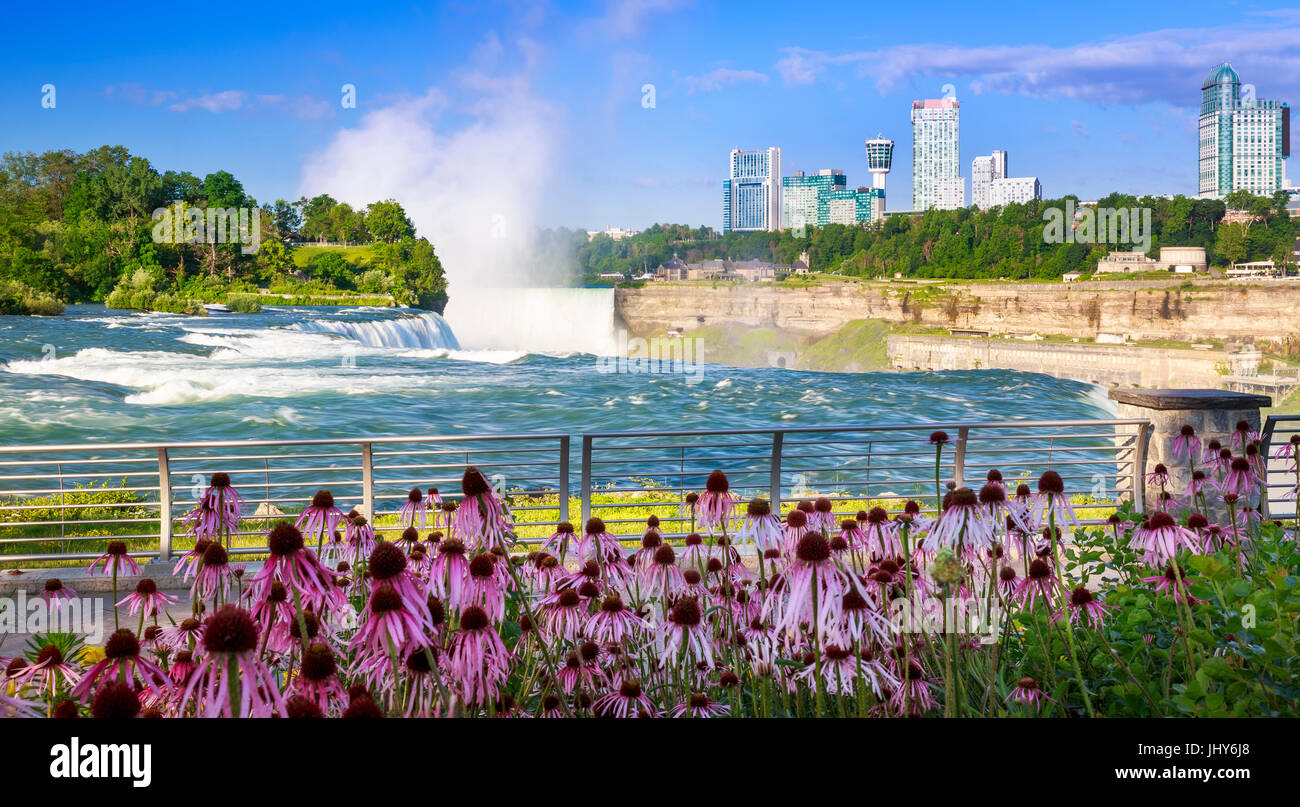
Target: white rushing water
<point>426,331</point>
<point>556,321</point>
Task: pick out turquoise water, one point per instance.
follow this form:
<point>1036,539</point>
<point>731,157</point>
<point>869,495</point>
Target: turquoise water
<point>100,375</point>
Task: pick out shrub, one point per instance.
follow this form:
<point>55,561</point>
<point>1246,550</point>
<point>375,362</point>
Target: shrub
<point>19,298</point>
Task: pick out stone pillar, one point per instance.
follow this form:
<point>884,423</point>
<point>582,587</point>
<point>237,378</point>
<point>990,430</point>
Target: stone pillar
<point>1212,413</point>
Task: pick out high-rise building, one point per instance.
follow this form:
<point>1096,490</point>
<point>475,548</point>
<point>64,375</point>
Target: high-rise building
<point>1020,190</point>
<point>983,170</point>
<point>991,187</point>
<point>936,170</point>
<point>858,206</point>
<point>751,197</point>
<point>880,158</point>
<point>804,197</point>
<point>1244,140</point>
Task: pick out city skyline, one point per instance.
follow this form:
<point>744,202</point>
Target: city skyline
<point>637,140</point>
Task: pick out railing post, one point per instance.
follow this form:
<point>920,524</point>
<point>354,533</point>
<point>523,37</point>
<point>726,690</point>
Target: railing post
<point>164,506</point>
<point>774,482</point>
<point>959,457</point>
<point>586,478</point>
<point>564,477</point>
<point>1265,452</point>
<point>368,481</point>
<point>1140,467</point>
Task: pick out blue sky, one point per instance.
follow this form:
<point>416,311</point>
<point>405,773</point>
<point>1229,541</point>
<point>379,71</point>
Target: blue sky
<point>531,113</point>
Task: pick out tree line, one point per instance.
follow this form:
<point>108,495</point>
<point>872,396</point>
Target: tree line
<point>76,226</point>
<point>1003,242</point>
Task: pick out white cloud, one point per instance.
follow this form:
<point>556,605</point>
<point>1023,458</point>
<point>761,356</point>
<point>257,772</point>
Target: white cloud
<point>625,19</point>
<point>1164,65</point>
<point>719,78</point>
<point>225,101</point>
<point>473,185</point>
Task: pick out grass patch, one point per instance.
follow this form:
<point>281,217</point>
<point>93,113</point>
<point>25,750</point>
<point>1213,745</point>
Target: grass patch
<point>857,347</point>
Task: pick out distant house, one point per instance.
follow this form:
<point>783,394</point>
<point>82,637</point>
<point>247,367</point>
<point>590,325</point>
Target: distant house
<point>1070,277</point>
<point>1127,262</point>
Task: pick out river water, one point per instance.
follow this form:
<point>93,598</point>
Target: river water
<point>500,362</point>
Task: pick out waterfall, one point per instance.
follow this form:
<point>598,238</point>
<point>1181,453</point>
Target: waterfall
<point>427,330</point>
<point>535,320</point>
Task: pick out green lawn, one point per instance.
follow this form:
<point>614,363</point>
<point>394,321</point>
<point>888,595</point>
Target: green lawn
<point>357,256</point>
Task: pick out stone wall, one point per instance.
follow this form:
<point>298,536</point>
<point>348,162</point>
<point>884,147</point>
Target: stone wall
<point>1237,311</point>
<point>1107,365</point>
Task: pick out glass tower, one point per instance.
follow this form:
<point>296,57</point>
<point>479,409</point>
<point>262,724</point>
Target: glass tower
<point>936,172</point>
<point>1243,139</point>
<point>751,197</point>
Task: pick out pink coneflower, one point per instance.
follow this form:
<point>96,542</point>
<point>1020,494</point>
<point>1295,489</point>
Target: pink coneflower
<point>563,614</point>
<point>1084,606</point>
<point>650,542</point>
<point>318,679</point>
<point>479,660</point>
<point>300,570</point>
<point>49,673</point>
<point>1245,433</point>
<point>760,526</point>
<point>694,552</point>
<point>851,533</point>
<point>147,599</point>
<point>598,544</point>
<point>412,513</point>
<point>546,571</point>
<point>1211,454</point>
<point>181,668</point>
<point>230,679</point>
<point>187,635</point>
<point>320,517</point>
<point>218,511</point>
<point>699,705</point>
<point>1051,504</point>
<point>115,561</point>
<point>1008,581</point>
<point>489,582</point>
<point>214,576</point>
<point>581,669</point>
<point>433,504</point>
<point>559,541</point>
<point>1186,446</point>
<point>122,661</point>
<point>1290,451</point>
<point>1160,538</point>
<point>359,536</point>
<point>408,540</point>
<point>717,505</point>
<point>662,573</point>
<point>54,591</point>
<point>685,635</point>
<point>189,563</point>
<point>1159,475</point>
<point>796,524</point>
<point>388,625</point>
<point>481,517</point>
<point>449,572</point>
<point>880,535</point>
<point>629,701</point>
<point>1174,580</point>
<point>815,587</point>
<point>859,619</point>
<point>388,566</point>
<point>1241,479</point>
<point>913,693</point>
<point>1041,583</point>
<point>614,622</point>
<point>993,499</point>
<point>1197,489</point>
<point>822,516</point>
<point>18,707</point>
<point>1027,692</point>
<point>963,523</point>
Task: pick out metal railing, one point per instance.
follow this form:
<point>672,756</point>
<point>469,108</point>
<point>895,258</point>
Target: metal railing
<point>854,466</point>
<point>63,502</point>
<point>1280,478</point>
<point>59,501</point>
